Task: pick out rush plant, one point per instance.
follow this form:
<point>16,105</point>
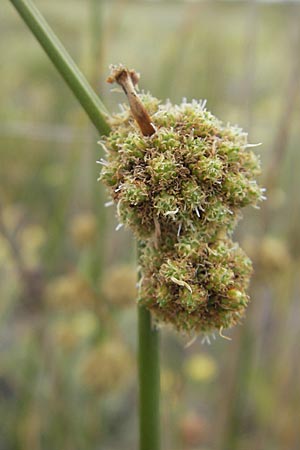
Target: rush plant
<point>179,178</point>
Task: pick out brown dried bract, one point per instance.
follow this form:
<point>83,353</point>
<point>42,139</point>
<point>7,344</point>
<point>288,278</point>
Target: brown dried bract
<point>128,79</point>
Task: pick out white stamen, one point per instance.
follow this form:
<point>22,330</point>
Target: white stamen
<point>119,226</point>
<point>107,204</point>
<point>155,129</point>
<point>203,104</point>
<point>171,213</point>
<point>222,335</point>
<point>252,145</point>
<point>102,162</point>
<point>139,283</point>
<point>205,339</point>
<point>119,90</point>
<point>179,229</point>
<point>103,146</point>
<point>118,207</point>
<point>197,211</point>
<point>181,283</point>
<point>191,342</point>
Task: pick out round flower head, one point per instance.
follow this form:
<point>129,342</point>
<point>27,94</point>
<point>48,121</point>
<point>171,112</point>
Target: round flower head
<point>199,288</point>
<point>192,171</point>
<point>180,177</point>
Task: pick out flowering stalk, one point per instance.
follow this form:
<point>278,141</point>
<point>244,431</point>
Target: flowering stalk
<point>149,381</point>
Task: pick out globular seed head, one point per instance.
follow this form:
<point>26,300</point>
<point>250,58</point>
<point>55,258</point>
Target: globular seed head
<point>180,190</point>
<point>192,164</point>
<point>203,292</point>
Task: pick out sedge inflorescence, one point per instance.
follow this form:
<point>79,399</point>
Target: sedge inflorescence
<point>181,191</point>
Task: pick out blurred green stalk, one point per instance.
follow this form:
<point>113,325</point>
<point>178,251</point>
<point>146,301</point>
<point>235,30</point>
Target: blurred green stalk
<point>96,69</point>
<point>65,65</point>
<point>148,357</point>
<point>149,381</point>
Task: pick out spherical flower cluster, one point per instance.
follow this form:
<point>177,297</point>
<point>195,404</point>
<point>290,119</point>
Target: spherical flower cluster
<point>119,285</point>
<point>181,190</point>
<point>196,286</point>
<point>84,230</point>
<point>105,367</point>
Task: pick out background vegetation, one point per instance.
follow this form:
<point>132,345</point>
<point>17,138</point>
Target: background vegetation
<point>67,314</point>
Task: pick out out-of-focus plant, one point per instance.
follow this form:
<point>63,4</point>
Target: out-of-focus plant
<point>105,367</point>
<point>118,286</point>
<point>270,254</point>
<point>84,230</point>
<point>194,430</point>
<point>199,368</point>
<point>70,292</point>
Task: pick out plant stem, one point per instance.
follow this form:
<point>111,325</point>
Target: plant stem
<point>80,87</point>
<point>149,381</point>
<point>96,69</point>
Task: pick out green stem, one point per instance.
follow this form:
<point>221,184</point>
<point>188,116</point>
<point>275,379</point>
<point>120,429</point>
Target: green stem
<point>88,99</point>
<point>98,191</point>
<point>149,381</point>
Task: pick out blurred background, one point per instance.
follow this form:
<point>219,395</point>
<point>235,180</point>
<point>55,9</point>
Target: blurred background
<point>67,278</point>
